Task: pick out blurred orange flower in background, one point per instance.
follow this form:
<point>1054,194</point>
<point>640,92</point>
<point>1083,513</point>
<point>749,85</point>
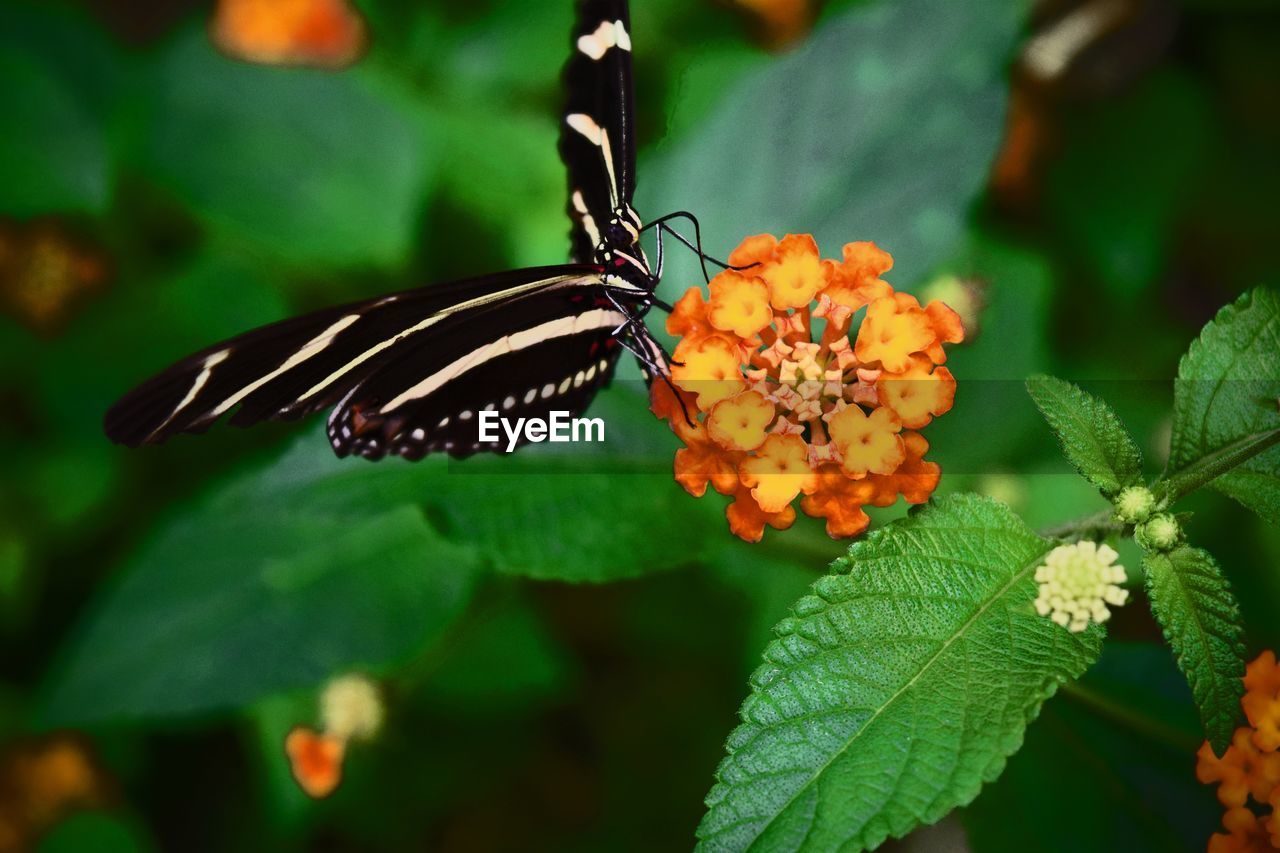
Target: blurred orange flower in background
<point>1250,768</point>
<point>325,33</point>
<point>351,709</point>
<point>774,401</point>
<point>47,272</point>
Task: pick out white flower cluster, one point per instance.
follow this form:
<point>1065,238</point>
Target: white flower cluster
<point>1077,582</point>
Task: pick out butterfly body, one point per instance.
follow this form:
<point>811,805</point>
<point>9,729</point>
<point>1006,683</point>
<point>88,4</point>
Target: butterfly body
<point>409,373</point>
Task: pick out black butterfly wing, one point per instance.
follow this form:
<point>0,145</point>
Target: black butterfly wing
<point>307,363</point>
<point>597,140</point>
<point>549,353</point>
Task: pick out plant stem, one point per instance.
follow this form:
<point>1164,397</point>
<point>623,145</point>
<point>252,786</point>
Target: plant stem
<point>1101,522</point>
<point>1179,484</point>
<point>1153,728</point>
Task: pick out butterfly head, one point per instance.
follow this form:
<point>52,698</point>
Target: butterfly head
<point>619,251</point>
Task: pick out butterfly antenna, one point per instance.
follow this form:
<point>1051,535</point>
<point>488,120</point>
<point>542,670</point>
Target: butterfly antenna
<point>695,245</point>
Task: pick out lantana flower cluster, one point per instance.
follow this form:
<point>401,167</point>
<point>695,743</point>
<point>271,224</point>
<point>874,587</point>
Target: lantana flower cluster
<point>1077,583</point>
<point>1250,768</point>
<point>806,377</point>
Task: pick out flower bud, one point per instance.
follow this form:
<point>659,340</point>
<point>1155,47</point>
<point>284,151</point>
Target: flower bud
<point>1160,533</point>
<point>1134,504</point>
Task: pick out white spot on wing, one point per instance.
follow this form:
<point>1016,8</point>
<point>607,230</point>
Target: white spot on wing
<point>608,34</point>
<point>586,126</point>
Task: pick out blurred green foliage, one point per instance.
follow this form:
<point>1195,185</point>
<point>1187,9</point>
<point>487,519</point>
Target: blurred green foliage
<point>181,604</point>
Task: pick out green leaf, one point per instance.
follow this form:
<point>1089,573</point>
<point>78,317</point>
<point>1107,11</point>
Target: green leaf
<point>243,598</point>
<point>889,118</point>
<point>503,659</point>
<point>311,166</point>
<point>1091,433</point>
<point>55,74</point>
<point>1226,415</point>
<point>1105,767</point>
<point>897,689</point>
<point>1194,605</point>
<point>583,513</point>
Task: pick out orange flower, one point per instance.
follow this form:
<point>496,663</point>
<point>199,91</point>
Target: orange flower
<point>1246,834</point>
<point>747,519</point>
<point>840,501</point>
<point>688,317</point>
<point>794,273</point>
<point>701,463</point>
<point>739,423</point>
<point>327,33</point>
<point>918,393</point>
<point>709,367</point>
<point>895,327</point>
<point>867,443</point>
<point>857,282</point>
<point>779,472</point>
<point>739,304</point>
<point>1250,768</point>
<point>776,411</point>
<point>316,760</point>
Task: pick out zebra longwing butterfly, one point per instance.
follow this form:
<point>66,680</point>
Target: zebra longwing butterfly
<point>408,373</point>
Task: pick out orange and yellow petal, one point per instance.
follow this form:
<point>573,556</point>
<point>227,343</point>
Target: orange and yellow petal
<point>1262,676</point>
<point>709,367</point>
<point>892,331</point>
<point>947,327</point>
<point>754,251</point>
<point>839,500</point>
<point>1246,834</point>
<point>856,281</point>
<point>702,462</point>
<point>739,304</point>
<point>747,520</point>
<point>315,759</point>
<point>741,422</point>
<point>688,318</point>
<point>795,274</point>
<point>915,479</point>
<point>778,472</point>
<point>868,444</point>
<point>919,393</point>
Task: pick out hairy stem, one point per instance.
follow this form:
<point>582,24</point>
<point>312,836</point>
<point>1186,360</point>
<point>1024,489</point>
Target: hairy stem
<point>1179,484</point>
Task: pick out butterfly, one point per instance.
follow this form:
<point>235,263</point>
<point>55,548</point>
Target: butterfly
<point>408,373</point>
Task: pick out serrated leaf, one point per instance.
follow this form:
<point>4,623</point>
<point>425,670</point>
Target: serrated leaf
<point>1092,436</point>
<point>1194,605</point>
<point>874,148</point>
<point>1227,405</point>
<point>897,689</point>
<point>235,601</point>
